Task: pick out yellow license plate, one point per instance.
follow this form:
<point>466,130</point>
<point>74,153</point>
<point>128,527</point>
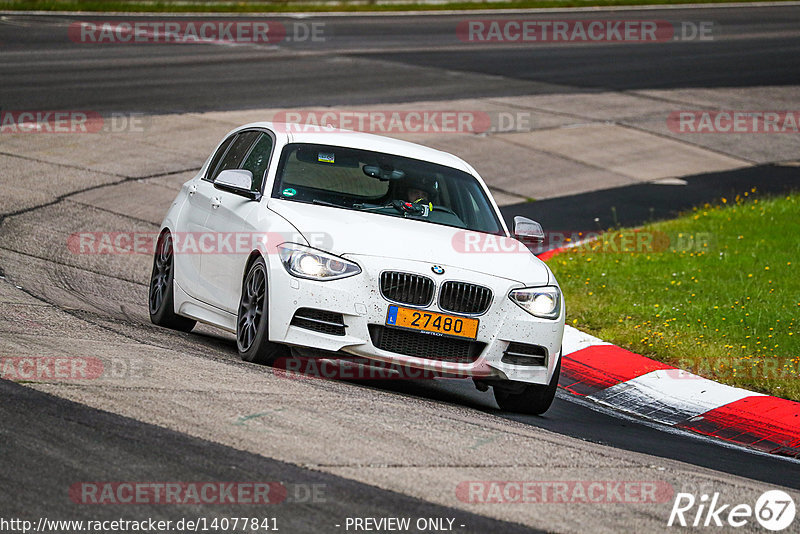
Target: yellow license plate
<point>432,322</point>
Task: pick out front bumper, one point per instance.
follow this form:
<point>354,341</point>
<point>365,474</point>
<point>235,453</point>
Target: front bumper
<point>359,301</point>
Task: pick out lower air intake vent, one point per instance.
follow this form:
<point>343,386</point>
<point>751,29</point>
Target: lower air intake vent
<point>425,345</point>
<point>321,321</point>
<point>524,354</point>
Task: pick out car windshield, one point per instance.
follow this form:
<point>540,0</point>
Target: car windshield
<point>384,184</point>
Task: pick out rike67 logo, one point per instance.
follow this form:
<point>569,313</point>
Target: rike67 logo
<point>774,510</point>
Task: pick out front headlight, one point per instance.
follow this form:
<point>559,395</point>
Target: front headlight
<point>306,262</point>
<point>542,302</point>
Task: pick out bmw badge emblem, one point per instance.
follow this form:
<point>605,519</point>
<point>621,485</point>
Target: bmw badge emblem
<point>437,269</point>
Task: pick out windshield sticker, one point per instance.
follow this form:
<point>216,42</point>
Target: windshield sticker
<point>289,192</point>
<point>325,157</point>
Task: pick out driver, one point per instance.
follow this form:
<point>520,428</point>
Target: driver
<point>422,192</point>
<point>416,195</point>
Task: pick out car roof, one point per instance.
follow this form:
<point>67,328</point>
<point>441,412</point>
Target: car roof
<point>298,133</point>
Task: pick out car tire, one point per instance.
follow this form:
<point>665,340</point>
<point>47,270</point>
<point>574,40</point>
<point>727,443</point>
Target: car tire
<point>534,399</point>
<point>161,301</point>
<point>252,320</point>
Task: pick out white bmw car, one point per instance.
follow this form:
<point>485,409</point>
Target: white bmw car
<point>335,242</point>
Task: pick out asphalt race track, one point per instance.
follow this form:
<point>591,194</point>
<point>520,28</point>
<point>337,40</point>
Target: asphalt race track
<point>157,454</point>
<point>185,408</point>
<point>378,59</point>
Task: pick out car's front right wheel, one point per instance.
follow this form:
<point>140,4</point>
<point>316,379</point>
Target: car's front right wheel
<point>534,399</point>
<point>252,323</point>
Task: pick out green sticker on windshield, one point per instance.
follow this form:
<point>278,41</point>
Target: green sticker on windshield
<point>289,192</point>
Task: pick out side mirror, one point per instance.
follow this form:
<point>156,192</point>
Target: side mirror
<point>528,231</point>
<point>237,181</point>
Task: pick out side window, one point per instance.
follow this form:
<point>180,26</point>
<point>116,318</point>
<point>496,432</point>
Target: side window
<point>236,153</point>
<point>218,156</point>
<point>258,160</point>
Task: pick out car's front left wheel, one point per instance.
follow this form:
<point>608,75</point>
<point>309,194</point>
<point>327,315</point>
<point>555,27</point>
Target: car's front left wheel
<point>252,322</point>
<point>161,297</point>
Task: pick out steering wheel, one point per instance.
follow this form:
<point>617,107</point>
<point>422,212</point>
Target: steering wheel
<point>407,207</point>
<point>444,209</point>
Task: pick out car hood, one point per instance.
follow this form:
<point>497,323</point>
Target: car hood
<point>347,232</point>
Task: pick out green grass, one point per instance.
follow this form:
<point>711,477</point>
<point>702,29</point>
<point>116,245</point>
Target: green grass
<point>721,298</point>
<point>215,6</point>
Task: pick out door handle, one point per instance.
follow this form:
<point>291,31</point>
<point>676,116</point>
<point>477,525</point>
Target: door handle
<point>192,189</point>
<point>215,202</point>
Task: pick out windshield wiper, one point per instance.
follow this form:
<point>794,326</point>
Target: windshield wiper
<point>406,208</point>
<point>368,207</point>
<point>329,204</point>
